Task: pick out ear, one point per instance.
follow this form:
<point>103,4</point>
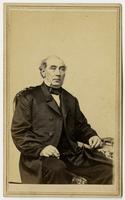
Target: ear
<point>42,72</point>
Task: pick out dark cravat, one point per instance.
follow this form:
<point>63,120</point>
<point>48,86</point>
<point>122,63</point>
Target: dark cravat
<point>56,91</point>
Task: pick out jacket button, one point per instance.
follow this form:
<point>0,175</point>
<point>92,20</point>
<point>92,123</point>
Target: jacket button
<point>51,118</point>
<point>51,133</point>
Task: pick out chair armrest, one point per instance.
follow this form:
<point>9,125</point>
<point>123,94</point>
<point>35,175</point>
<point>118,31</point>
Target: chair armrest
<point>106,148</point>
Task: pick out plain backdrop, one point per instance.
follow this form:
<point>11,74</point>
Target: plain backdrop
<point>87,40</point>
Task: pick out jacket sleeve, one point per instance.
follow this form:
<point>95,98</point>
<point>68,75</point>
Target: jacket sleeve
<point>21,128</point>
<point>83,130</point>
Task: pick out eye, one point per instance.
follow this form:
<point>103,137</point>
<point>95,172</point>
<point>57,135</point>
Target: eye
<point>63,68</point>
<point>53,67</point>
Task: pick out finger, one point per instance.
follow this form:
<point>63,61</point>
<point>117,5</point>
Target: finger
<point>55,149</point>
<point>94,142</point>
<point>52,152</point>
<point>97,143</point>
<point>90,142</point>
<point>87,146</point>
<point>45,154</point>
<point>56,154</point>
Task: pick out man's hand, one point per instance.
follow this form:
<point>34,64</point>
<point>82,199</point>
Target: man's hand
<point>50,151</point>
<point>95,142</point>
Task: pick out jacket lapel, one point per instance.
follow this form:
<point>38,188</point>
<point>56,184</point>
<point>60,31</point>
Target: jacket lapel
<point>49,99</point>
<point>65,106</point>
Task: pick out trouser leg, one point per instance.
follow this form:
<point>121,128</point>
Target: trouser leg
<point>97,173</point>
<point>54,171</point>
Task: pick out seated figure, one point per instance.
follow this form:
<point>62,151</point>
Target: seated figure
<point>47,127</point>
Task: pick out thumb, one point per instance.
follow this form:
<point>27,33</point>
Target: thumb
<point>91,142</point>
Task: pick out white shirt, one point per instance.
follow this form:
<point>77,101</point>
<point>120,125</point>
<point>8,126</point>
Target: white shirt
<point>57,99</point>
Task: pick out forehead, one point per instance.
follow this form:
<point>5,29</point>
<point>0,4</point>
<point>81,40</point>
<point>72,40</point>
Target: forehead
<point>55,61</point>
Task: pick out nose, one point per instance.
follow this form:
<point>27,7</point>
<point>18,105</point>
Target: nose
<point>57,72</point>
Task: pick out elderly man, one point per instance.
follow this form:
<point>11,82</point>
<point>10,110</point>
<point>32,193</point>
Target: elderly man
<point>46,127</point>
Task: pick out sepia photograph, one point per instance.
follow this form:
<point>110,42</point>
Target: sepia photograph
<point>63,100</point>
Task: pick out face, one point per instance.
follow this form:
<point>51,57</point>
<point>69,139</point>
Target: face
<point>54,73</point>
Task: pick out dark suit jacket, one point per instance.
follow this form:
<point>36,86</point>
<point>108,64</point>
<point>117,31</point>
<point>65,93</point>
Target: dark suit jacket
<point>37,122</point>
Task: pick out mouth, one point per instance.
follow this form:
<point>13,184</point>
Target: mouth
<point>56,80</point>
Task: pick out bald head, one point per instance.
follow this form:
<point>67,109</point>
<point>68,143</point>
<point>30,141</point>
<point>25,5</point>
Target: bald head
<point>51,60</point>
<point>53,70</point>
